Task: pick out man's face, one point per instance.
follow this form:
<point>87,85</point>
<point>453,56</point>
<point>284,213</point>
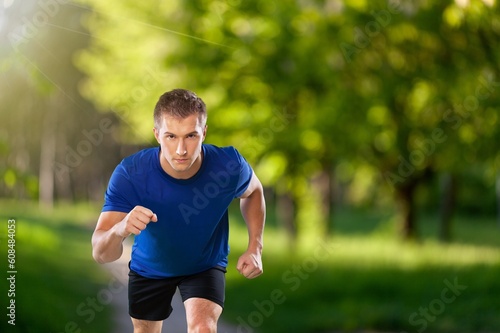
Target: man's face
<point>180,140</point>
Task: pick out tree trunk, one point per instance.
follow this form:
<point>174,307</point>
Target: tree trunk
<point>47,160</point>
<point>448,198</point>
<point>498,198</point>
<point>286,211</point>
<point>62,171</point>
<point>406,200</point>
<point>325,187</point>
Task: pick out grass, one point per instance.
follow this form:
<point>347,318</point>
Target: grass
<point>56,275</point>
<point>361,279</point>
<point>365,279</point>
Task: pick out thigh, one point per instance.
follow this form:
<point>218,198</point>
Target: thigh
<point>202,314</point>
<point>203,297</point>
<point>150,299</point>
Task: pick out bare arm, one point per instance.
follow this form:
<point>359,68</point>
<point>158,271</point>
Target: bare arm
<point>253,210</point>
<point>112,229</point>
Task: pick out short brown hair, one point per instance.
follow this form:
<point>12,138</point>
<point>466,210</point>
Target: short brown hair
<point>179,103</point>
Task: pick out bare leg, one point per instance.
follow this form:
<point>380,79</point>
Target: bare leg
<point>146,326</point>
<point>202,315</point>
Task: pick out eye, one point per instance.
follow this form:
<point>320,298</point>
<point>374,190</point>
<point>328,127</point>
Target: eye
<point>192,136</point>
<point>170,136</point>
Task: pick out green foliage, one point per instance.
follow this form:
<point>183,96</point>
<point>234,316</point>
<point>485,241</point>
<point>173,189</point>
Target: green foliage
<point>364,280</point>
<point>45,123</point>
<point>386,94</point>
<point>307,85</point>
<point>55,270</point>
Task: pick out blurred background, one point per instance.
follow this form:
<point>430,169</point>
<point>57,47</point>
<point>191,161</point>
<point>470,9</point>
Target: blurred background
<point>373,125</point>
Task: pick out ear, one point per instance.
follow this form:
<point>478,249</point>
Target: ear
<point>157,134</point>
<point>204,133</point>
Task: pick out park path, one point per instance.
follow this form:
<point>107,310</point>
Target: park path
<point>176,323</point>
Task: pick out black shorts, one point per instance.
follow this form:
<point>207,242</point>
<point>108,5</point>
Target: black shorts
<point>150,299</point>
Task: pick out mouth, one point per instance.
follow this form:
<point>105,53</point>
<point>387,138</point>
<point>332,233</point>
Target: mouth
<point>181,160</point>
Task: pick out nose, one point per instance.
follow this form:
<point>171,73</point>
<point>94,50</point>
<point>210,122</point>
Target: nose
<point>181,148</point>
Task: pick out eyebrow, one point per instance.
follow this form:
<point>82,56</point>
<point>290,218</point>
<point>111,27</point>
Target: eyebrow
<point>170,133</point>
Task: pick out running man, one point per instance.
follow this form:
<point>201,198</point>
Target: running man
<point>174,198</point>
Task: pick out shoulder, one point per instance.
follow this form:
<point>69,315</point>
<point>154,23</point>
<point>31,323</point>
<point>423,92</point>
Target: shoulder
<point>140,162</point>
<point>227,159</point>
<point>224,153</point>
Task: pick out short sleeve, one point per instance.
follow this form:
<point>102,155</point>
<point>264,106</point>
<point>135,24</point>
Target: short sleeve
<point>245,175</point>
<point>119,192</point>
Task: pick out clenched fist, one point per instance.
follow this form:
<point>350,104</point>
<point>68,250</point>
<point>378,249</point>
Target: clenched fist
<point>136,221</point>
<point>250,264</point>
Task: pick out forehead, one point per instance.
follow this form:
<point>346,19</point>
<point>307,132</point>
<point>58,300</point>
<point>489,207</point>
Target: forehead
<point>180,125</point>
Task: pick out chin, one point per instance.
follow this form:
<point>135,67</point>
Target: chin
<point>182,168</point>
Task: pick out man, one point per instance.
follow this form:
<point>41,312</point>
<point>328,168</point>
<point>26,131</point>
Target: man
<point>174,199</point>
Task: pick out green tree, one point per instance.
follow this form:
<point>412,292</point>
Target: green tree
<point>302,88</point>
<point>52,139</point>
<point>418,69</point>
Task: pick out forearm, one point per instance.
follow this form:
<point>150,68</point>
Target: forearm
<point>107,245</point>
<point>253,210</point>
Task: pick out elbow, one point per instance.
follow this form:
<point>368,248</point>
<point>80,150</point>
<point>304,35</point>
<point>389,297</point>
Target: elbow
<point>98,257</point>
<point>97,253</point>
<point>103,257</point>
<point>103,252</point>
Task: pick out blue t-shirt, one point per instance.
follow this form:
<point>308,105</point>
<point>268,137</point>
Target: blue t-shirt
<point>191,234</point>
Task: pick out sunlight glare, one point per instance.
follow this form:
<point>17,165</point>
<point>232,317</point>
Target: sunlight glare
<point>7,3</point>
